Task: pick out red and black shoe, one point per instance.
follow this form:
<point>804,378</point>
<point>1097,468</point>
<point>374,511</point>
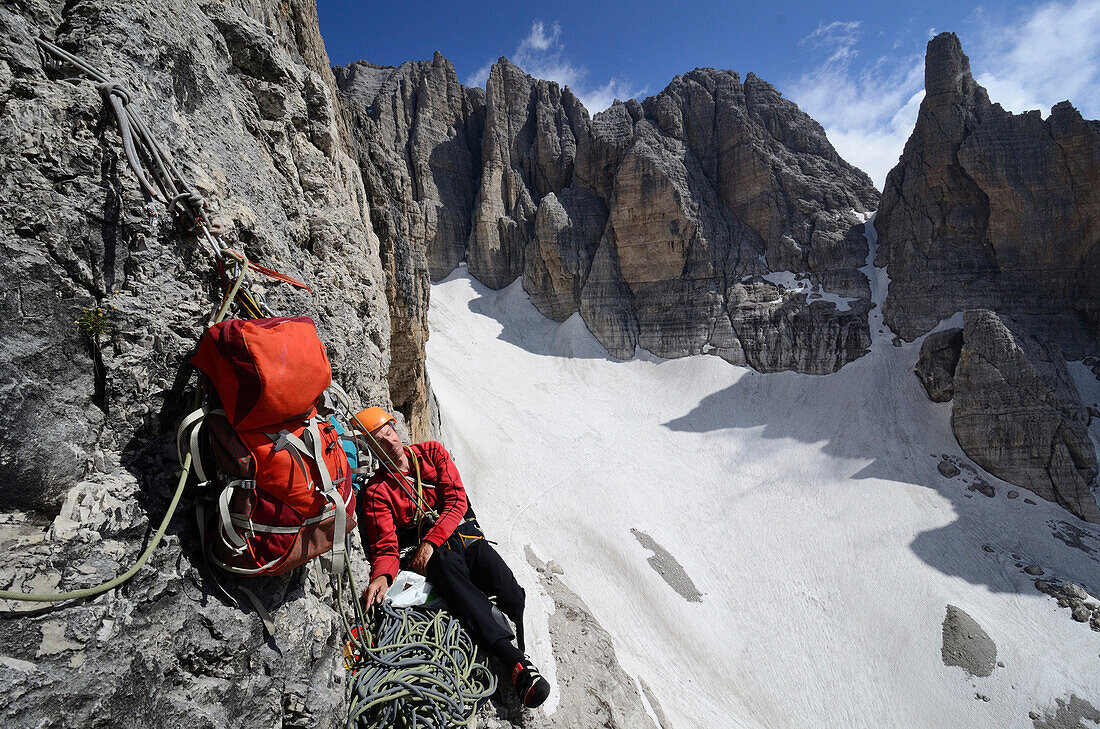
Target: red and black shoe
<point>531,687</point>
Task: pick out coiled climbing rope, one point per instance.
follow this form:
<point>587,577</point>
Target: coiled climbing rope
<point>412,668</point>
<point>421,669</point>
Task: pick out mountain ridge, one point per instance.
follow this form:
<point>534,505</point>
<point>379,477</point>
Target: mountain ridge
<point>558,203</point>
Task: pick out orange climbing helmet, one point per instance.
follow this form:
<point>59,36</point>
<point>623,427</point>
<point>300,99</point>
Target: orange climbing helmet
<point>373,418</point>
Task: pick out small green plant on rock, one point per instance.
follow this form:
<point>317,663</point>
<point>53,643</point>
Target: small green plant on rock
<point>95,323</point>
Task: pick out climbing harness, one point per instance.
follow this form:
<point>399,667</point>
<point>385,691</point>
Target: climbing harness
<point>417,667</point>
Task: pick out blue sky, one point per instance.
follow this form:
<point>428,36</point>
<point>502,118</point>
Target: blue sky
<point>856,67</point>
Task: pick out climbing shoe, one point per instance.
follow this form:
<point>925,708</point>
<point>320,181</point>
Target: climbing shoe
<point>531,687</point>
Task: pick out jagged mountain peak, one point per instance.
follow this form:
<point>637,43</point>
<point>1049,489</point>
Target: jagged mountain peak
<point>973,215</point>
<point>677,197</point>
<point>947,69</point>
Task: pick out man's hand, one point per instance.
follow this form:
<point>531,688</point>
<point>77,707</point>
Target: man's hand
<point>419,563</point>
<point>375,592</point>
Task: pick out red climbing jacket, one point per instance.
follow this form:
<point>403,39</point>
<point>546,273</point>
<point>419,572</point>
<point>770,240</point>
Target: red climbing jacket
<point>387,507</point>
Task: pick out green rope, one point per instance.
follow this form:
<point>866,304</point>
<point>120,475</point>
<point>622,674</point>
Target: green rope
<point>112,584</point>
<point>419,668</point>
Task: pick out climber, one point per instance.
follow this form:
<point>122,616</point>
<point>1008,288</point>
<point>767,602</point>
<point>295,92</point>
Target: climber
<point>430,511</point>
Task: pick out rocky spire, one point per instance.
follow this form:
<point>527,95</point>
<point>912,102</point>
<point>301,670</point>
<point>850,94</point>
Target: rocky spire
<point>988,209</point>
<point>998,215</point>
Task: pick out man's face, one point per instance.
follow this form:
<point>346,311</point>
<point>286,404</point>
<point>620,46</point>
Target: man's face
<point>389,441</point>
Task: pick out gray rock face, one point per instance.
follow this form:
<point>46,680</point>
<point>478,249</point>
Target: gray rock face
<point>433,124</point>
<point>939,355</point>
<point>781,331</point>
<point>242,97</point>
<point>966,644</point>
<point>559,256</point>
<point>1017,413</point>
<point>651,218</point>
<point>993,210</point>
<point>415,130</point>
<point>76,235</point>
<point>709,183</point>
<point>528,151</point>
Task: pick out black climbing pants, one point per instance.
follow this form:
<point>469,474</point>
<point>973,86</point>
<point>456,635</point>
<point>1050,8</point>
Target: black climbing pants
<point>465,570</point>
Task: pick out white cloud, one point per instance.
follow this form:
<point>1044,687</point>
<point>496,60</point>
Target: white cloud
<point>1045,58</point>
<point>868,109</point>
<point>839,37</point>
<point>601,97</point>
<point>538,40</point>
<point>867,112</point>
<point>541,54</point>
<point>480,76</point>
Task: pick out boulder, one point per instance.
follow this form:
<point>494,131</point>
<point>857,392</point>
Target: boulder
<point>1017,413</point>
<point>939,355</point>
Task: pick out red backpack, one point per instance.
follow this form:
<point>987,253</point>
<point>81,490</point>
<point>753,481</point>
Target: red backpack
<point>281,491</point>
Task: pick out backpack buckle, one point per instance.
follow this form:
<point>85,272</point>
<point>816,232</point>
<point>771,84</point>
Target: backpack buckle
<point>248,484</point>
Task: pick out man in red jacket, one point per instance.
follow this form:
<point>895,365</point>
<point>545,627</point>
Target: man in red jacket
<point>430,510</point>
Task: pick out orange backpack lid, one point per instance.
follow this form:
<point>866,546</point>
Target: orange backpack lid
<point>265,371</point>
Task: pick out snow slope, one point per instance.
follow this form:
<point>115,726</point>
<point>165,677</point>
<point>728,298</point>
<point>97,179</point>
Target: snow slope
<point>808,510</point>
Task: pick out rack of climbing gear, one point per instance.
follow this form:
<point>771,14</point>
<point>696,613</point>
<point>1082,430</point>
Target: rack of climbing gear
<point>408,667</point>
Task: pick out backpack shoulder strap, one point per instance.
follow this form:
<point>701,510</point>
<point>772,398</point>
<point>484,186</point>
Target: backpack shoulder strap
<point>189,431</point>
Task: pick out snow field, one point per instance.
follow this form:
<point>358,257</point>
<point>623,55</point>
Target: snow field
<point>807,510</point>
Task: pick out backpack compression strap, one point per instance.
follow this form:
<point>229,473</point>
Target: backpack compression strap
<point>310,446</point>
<point>313,435</point>
<point>194,421</point>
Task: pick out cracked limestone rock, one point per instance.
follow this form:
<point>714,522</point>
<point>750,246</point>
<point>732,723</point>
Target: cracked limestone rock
<point>650,219</point>
<point>993,210</point>
<point>1017,413</point>
<point>242,97</point>
<point>415,130</point>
